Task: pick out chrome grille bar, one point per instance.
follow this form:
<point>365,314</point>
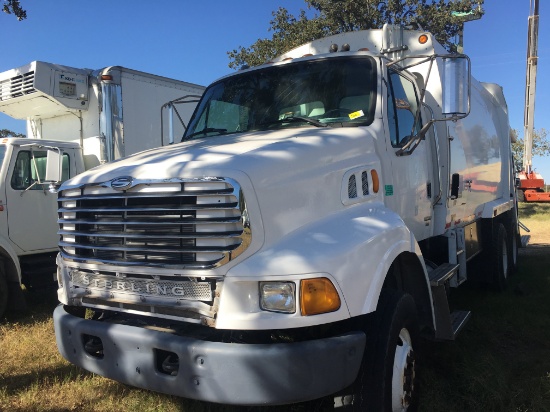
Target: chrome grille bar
<point>195,223</point>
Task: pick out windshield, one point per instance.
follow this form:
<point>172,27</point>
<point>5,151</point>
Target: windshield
<point>335,92</point>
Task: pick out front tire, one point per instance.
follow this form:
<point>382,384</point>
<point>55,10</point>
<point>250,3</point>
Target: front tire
<point>3,292</point>
<point>387,380</point>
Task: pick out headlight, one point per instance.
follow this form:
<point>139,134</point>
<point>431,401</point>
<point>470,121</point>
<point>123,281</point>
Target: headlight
<point>278,296</point>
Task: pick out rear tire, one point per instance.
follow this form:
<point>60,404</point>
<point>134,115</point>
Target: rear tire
<point>513,241</point>
<point>499,257</point>
<point>387,378</point>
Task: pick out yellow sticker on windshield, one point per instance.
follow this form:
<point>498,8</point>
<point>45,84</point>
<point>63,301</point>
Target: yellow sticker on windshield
<point>356,114</point>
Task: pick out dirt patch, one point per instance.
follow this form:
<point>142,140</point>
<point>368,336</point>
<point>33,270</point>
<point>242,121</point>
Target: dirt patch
<point>539,231</point>
<point>537,239</point>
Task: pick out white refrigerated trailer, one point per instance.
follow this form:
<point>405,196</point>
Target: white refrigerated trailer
<point>111,112</point>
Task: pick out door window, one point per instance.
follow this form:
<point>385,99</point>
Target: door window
<point>27,171</point>
<point>402,109</point>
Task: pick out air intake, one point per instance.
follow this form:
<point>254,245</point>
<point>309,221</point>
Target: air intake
<point>352,187</point>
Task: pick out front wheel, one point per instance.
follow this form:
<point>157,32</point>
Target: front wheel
<point>3,292</point>
<point>387,380</point>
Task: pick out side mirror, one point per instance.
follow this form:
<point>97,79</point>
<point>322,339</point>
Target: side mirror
<point>456,86</point>
<point>54,164</point>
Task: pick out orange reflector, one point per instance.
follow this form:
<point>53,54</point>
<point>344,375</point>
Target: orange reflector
<point>364,49</point>
<point>317,296</point>
<point>106,77</point>
<point>307,55</point>
<point>375,181</point>
<point>423,39</point>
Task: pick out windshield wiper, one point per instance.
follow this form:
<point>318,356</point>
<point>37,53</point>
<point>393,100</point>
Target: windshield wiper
<point>290,119</point>
<point>206,130</point>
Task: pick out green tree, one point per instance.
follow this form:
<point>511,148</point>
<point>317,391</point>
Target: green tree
<point>338,16</point>
<point>9,133</point>
<point>540,146</point>
<point>14,7</point>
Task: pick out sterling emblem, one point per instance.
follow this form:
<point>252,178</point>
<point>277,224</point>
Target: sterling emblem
<point>122,183</point>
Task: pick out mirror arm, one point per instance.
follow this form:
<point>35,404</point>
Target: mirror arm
<point>29,188</point>
<point>412,144</point>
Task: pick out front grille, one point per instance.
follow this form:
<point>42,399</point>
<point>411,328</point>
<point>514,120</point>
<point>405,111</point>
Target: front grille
<point>17,86</point>
<point>184,223</point>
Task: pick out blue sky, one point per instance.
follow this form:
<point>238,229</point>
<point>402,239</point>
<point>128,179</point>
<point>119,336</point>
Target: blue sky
<point>189,40</point>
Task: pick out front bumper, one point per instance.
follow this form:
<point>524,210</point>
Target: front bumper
<point>228,373</point>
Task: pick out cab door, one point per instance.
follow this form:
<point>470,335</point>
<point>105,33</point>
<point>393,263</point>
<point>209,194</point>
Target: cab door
<point>411,190</point>
<point>31,208</point>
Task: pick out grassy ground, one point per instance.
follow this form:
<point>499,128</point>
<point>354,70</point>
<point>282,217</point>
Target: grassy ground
<point>500,362</point>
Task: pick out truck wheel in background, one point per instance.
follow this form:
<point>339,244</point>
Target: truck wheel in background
<point>499,257</point>
<point>513,246</point>
<point>3,291</point>
<point>387,378</point>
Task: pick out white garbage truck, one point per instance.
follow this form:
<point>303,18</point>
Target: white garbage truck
<point>90,117</point>
<point>303,236</point>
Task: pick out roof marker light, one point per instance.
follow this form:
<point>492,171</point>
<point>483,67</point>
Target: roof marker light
<point>106,77</point>
<point>364,49</point>
<point>345,47</point>
<point>423,39</point>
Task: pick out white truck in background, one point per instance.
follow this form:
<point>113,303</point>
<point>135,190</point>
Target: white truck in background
<point>304,234</point>
<point>91,117</point>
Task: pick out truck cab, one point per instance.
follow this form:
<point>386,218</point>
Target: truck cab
<point>28,210</point>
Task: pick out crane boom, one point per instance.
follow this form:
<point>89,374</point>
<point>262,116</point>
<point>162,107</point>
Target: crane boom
<point>530,183</point>
<point>530,85</point>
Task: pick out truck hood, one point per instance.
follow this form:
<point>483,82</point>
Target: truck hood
<point>250,153</point>
<point>290,177</point>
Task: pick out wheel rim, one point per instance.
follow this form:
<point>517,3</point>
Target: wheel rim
<point>403,372</point>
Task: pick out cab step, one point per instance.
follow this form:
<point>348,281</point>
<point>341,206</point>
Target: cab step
<point>442,273</point>
<point>447,324</point>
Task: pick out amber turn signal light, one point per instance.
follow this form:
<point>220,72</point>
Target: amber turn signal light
<point>317,296</point>
<point>375,181</point>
